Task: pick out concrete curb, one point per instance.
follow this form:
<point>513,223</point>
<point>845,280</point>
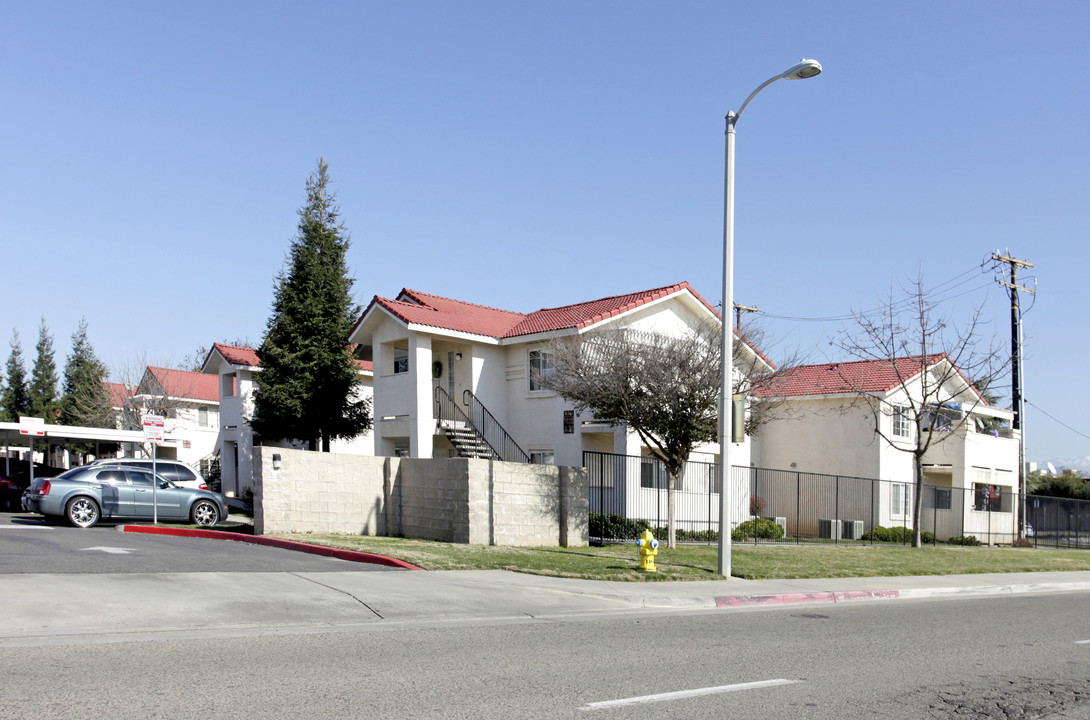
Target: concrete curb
<point>726,601</point>
<point>730,601</point>
<point>350,555</point>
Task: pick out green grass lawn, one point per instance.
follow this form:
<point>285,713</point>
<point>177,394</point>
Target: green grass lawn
<point>698,562</point>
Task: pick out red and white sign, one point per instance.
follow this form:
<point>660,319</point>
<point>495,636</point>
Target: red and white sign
<point>153,428</point>
<point>31,426</point>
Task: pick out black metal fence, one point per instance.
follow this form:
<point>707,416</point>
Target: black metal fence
<point>628,493</point>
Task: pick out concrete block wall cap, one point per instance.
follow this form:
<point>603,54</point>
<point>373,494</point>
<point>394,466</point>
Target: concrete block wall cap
<point>350,555</point>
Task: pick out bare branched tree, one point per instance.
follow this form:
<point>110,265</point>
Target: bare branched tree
<point>930,359</point>
<point>665,388</point>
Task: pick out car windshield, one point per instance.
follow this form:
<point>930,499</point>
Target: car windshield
<point>70,474</point>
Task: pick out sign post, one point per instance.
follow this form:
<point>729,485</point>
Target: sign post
<point>153,433</point>
<point>34,427</point>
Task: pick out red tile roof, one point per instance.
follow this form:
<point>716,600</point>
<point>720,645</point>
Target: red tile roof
<point>118,393</point>
<point>236,355</point>
<point>415,307</point>
<point>186,384</point>
<point>847,377</point>
<point>247,357</point>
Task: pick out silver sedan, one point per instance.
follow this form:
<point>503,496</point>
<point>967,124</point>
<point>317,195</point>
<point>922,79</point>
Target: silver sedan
<point>87,494</point>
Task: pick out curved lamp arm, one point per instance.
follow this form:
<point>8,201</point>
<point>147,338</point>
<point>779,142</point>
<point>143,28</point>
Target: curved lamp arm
<point>799,71</point>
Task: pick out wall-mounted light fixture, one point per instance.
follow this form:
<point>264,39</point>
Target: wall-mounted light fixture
<point>276,461</point>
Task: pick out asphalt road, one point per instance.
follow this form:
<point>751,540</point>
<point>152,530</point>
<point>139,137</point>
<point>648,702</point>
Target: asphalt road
<point>88,634</point>
<point>978,658</point>
<point>31,544</point>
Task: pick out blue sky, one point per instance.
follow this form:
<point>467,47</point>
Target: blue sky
<point>528,155</point>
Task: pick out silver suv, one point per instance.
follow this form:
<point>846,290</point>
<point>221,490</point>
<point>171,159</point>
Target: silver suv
<point>175,471</point>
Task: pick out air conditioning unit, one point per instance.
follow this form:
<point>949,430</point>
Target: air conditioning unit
<point>829,529</point>
<point>851,529</point>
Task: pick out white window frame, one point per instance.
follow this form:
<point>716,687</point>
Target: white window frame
<point>899,493</point>
<point>541,365</point>
<point>542,457</point>
<point>902,427</point>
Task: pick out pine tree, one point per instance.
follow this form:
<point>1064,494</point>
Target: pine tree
<point>43,382</point>
<point>85,401</point>
<point>16,398</point>
<point>306,389</point>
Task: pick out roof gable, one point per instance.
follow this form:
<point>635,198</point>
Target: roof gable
<point>872,376</point>
<point>413,307</point>
<point>186,384</point>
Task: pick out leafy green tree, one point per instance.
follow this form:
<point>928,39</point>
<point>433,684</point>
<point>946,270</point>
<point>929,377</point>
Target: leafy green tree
<point>43,380</point>
<point>307,389</point>
<point>85,401</point>
<point>16,398</point>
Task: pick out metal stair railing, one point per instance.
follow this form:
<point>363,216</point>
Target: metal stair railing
<point>452,422</point>
<point>493,433</point>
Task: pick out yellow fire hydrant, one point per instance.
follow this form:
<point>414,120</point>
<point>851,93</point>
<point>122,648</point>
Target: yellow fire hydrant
<point>649,548</point>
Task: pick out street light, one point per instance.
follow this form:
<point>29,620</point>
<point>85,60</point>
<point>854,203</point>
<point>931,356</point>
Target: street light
<point>801,70</point>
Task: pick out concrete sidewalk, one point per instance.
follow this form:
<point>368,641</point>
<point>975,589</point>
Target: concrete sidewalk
<point>66,608</point>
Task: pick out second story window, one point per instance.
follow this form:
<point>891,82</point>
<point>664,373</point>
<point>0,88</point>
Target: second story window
<point>541,369</point>
<point>401,361</point>
<point>902,428</point>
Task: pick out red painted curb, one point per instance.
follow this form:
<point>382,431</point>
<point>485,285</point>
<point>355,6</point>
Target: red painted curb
<point>350,555</point>
<point>787,598</point>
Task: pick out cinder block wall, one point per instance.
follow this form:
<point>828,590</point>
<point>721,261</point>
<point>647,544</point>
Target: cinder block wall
<point>318,492</point>
<point>449,500</point>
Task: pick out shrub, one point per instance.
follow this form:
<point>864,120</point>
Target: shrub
<point>1022,543</point>
<point>968,540</point>
<point>757,505</point>
<point>901,535</point>
<point>616,527</point>
<point>761,528</point>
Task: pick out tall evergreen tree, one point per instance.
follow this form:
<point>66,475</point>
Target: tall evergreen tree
<point>307,386</point>
<point>43,380</point>
<point>16,398</point>
<point>85,400</point>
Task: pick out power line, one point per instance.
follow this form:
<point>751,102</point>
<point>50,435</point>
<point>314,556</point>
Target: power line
<point>899,305</point>
<point>1057,420</point>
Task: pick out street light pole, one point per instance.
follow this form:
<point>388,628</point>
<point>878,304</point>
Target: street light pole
<point>803,69</point>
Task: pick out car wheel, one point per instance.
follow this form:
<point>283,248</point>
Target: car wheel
<point>204,513</point>
<point>82,512</point>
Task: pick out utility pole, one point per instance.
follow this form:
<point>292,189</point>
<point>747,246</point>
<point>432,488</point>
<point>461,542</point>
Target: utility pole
<point>1017,400</point>
<point>738,310</point>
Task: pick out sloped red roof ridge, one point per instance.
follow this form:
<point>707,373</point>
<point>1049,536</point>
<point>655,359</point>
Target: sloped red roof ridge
<point>878,376</point>
<point>237,355</point>
<point>247,357</point>
<point>420,308</point>
<point>187,384</point>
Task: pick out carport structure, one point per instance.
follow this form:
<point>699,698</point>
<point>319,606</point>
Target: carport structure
<point>12,437</point>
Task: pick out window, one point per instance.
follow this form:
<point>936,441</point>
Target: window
<point>941,498</point>
<point>541,369</point>
<point>542,457</point>
<point>898,499</point>
<point>202,417</point>
<point>901,426</point>
<point>401,361</point>
<point>987,498</point>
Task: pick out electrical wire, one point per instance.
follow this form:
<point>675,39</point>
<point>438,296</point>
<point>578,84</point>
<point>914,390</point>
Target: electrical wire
<point>1054,419</point>
<point>899,305</point>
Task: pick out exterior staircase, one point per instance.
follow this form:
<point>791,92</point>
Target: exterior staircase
<point>481,436</point>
